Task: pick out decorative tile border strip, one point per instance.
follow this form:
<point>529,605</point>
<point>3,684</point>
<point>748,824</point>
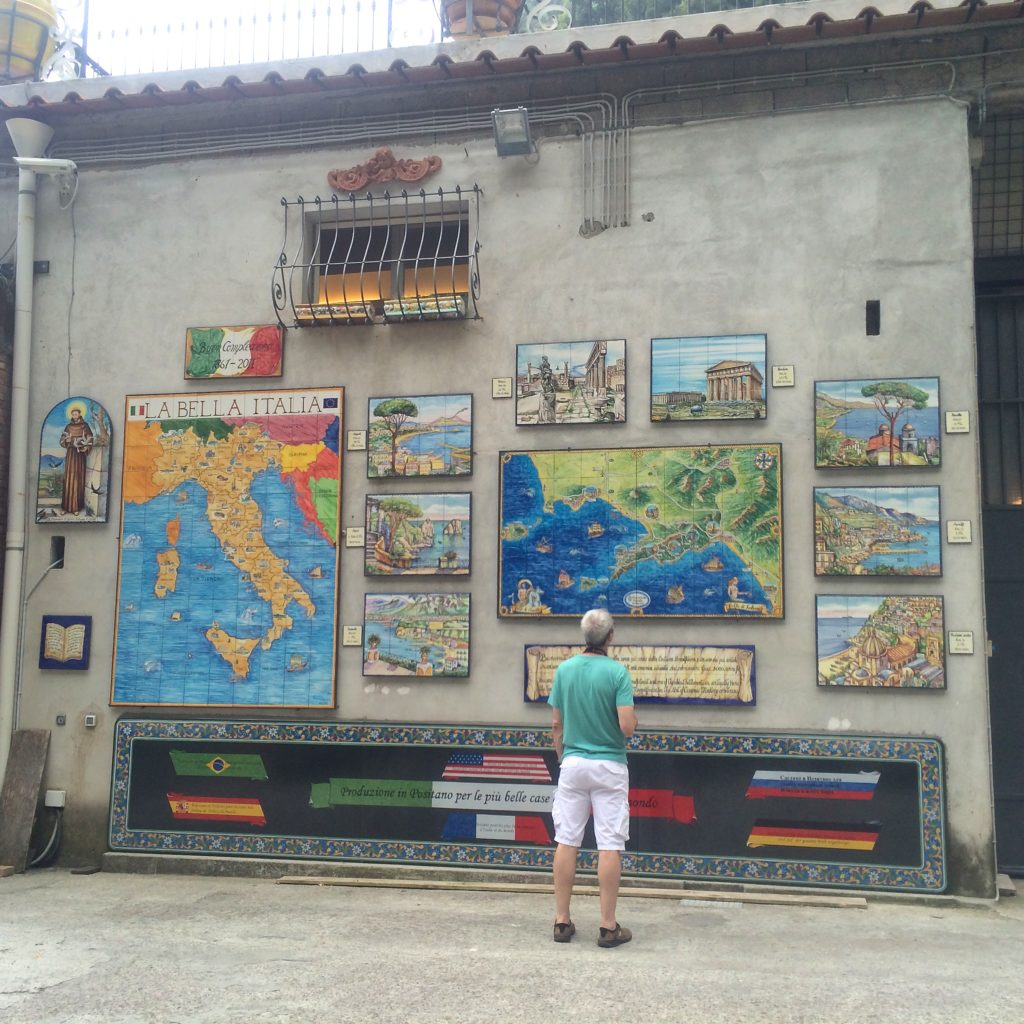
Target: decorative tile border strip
<point>925,754</point>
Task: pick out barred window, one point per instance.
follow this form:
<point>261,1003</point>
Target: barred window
<point>1000,334</point>
<point>372,259</point>
<point>999,188</point>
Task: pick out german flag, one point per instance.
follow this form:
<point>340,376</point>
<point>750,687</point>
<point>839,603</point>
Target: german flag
<point>246,810</point>
<point>819,835</point>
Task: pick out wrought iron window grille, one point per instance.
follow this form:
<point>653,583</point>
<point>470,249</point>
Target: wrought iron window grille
<point>372,259</point>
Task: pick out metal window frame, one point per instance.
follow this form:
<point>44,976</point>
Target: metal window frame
<point>998,188</point>
<point>300,274</point>
<point>1000,389</point>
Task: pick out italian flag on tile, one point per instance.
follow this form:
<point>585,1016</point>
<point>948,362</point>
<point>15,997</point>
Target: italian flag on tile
<point>233,351</point>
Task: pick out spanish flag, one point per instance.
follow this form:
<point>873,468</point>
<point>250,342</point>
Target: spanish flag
<point>246,810</point>
<point>819,835</point>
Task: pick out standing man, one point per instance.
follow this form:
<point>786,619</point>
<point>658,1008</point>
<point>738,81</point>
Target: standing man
<point>592,717</point>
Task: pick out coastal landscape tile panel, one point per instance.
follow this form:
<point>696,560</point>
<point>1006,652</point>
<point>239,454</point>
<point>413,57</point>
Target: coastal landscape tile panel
<point>420,435</point>
<point>688,531</point>
<point>74,463</point>
<point>894,641</point>
<point>416,635</point>
<point>560,383</point>
<point>718,377</point>
<point>882,422</point>
<point>877,531</point>
<point>227,574</point>
<point>417,534</point>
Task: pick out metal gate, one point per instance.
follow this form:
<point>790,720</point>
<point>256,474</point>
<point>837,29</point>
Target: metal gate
<point>1000,336</point>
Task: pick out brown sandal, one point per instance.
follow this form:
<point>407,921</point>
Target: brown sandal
<point>564,932</point>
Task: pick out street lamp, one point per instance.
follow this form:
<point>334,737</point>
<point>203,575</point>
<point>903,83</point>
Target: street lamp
<point>26,37</point>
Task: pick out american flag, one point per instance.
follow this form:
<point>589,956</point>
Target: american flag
<point>496,766</point>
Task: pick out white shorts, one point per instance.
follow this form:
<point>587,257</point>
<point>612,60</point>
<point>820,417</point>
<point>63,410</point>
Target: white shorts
<point>585,784</point>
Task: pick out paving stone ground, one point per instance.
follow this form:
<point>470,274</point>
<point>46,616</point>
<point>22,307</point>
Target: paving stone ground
<point>213,950</point>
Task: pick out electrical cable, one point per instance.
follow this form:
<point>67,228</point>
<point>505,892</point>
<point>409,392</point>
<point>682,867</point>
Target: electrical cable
<point>22,626</point>
<point>74,259</point>
<point>53,565</point>
<point>49,851</point>
<point>9,284</point>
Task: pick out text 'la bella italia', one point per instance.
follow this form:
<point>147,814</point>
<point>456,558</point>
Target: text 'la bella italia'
<point>190,407</point>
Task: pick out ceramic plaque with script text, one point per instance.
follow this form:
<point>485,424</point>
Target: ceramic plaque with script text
<point>233,351</point>
<point>661,674</point>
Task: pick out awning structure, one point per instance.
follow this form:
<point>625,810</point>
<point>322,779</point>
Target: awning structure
<point>506,57</point>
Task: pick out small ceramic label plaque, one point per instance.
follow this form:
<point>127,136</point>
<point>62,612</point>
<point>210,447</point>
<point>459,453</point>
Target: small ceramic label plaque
<point>351,636</point>
<point>357,440</point>
<point>961,642</point>
<point>783,376</point>
<point>355,536</point>
<point>501,387</point>
<point>958,422</point>
<point>958,531</point>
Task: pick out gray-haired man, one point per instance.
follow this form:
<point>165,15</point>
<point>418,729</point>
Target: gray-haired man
<point>592,717</point>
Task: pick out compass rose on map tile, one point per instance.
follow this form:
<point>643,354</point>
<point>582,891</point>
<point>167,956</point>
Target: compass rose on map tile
<point>218,765</point>
<point>764,460</point>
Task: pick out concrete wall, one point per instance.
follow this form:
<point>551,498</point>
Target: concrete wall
<point>784,224</point>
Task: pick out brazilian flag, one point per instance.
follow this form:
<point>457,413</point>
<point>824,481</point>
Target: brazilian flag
<point>233,766</point>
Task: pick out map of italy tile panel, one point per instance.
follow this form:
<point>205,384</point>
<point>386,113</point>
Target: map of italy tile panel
<point>227,590</point>
<point>689,531</point>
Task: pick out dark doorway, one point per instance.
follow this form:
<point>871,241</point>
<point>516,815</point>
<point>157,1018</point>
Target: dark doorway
<point>1000,336</point>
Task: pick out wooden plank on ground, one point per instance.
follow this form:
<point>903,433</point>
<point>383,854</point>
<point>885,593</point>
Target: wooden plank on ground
<point>700,895</point>
<point>20,795</point>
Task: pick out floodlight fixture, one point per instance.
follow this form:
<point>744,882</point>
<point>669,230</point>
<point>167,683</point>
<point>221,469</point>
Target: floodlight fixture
<point>512,132</point>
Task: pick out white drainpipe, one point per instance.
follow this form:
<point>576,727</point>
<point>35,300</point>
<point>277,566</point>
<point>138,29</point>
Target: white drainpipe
<point>30,140</point>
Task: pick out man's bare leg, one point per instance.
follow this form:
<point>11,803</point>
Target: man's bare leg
<point>609,871</point>
<point>565,876</point>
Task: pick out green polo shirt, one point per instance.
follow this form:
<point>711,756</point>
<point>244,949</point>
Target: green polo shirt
<point>588,689</point>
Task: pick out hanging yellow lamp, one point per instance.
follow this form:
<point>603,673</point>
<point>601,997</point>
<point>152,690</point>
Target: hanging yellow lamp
<point>26,37</point>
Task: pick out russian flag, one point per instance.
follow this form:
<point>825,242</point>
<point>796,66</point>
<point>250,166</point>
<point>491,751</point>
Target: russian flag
<point>813,785</point>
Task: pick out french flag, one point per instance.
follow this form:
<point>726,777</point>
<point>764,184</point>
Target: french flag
<point>519,828</point>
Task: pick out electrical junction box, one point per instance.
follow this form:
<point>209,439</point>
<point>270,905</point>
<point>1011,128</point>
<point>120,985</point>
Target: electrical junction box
<point>55,797</point>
